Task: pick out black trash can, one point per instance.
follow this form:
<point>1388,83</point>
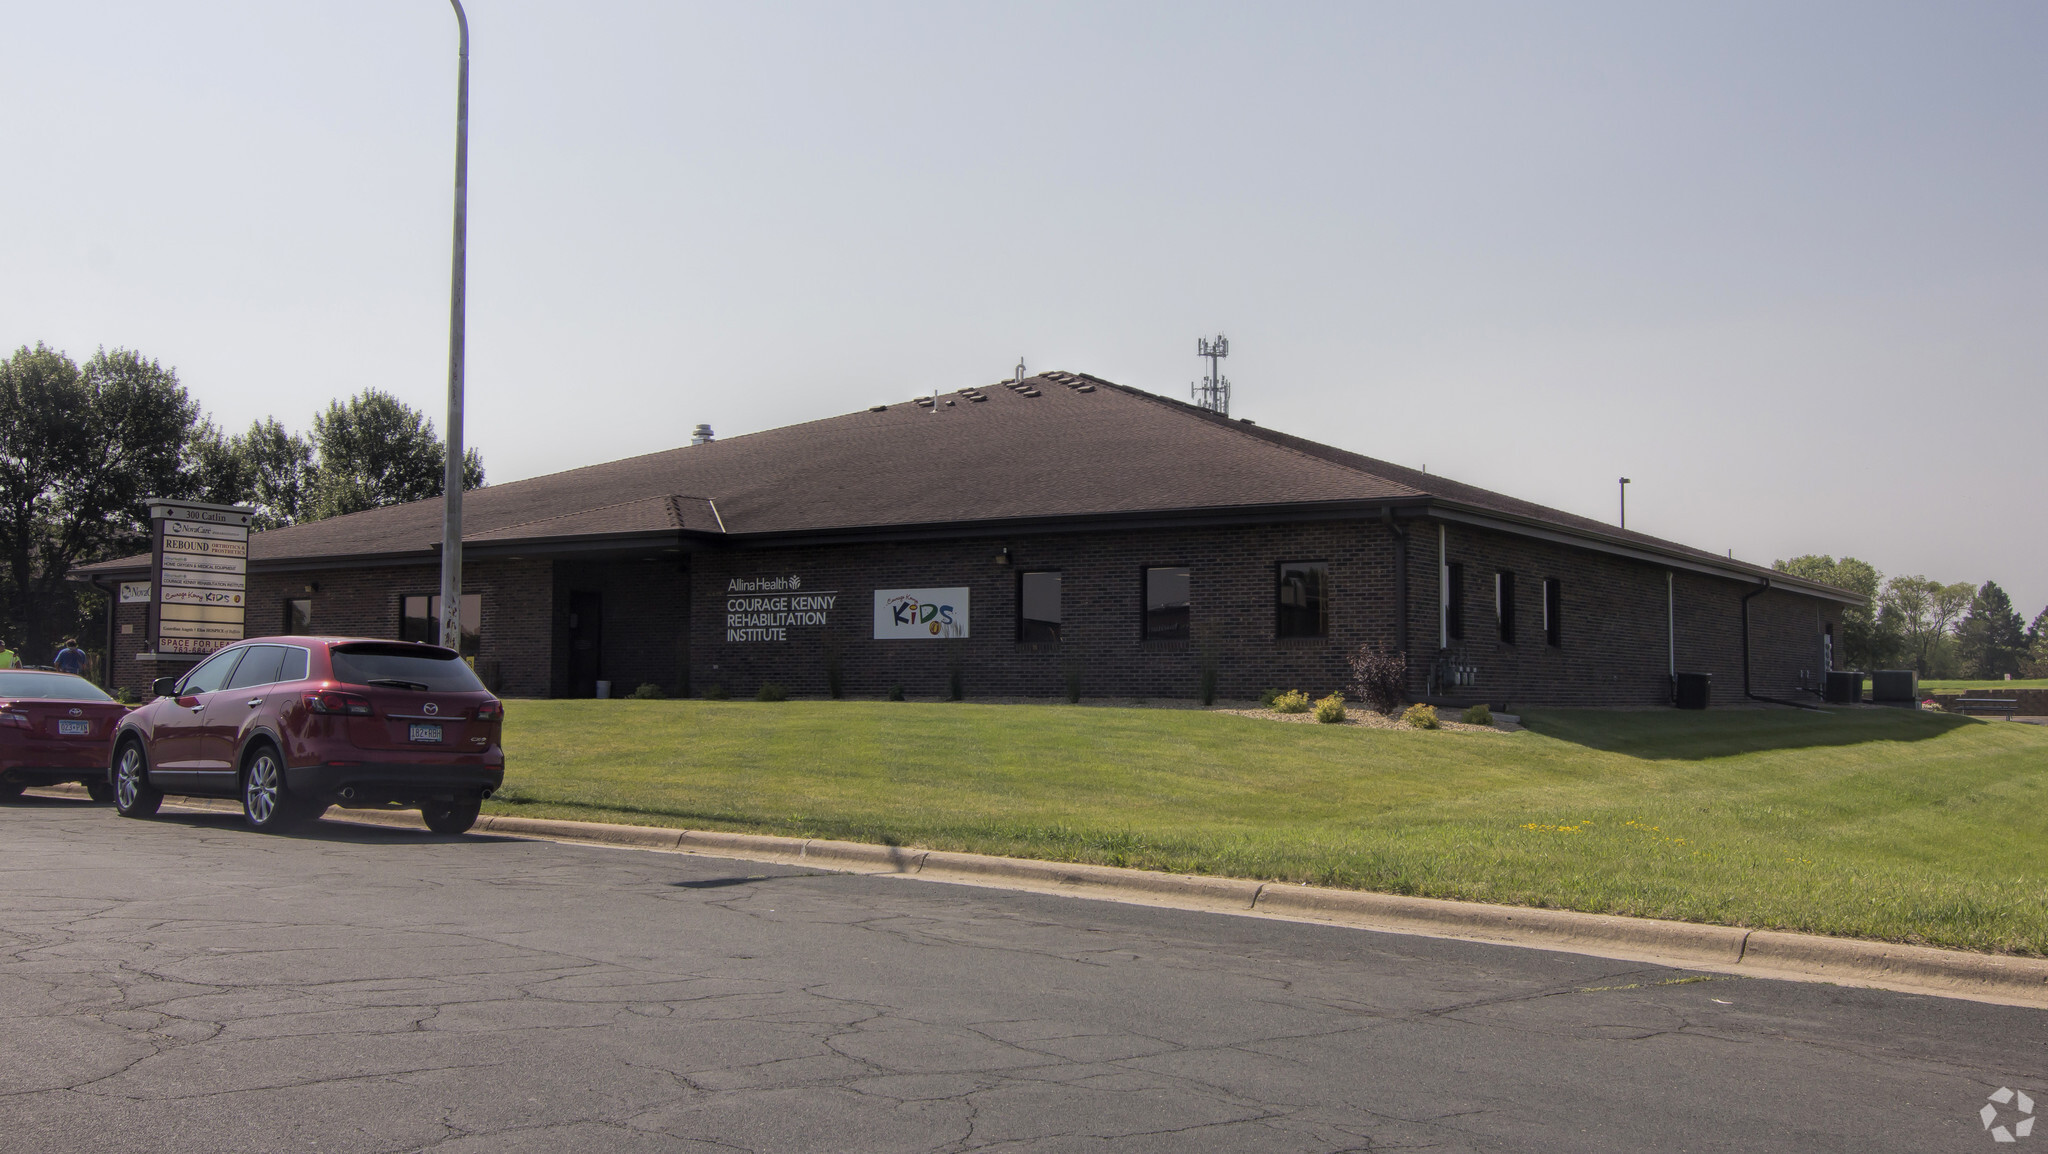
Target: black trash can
<point>1692,690</point>
<point>1895,687</point>
<point>1845,687</point>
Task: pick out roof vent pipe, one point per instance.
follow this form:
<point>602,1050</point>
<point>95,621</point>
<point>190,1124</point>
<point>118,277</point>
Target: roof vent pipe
<point>701,435</point>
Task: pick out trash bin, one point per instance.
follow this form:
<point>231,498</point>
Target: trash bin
<point>604,689</point>
<point>1844,687</point>
<point>1895,687</point>
<point>1692,690</point>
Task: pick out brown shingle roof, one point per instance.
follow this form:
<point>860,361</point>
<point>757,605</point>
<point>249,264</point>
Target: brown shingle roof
<point>1058,446</point>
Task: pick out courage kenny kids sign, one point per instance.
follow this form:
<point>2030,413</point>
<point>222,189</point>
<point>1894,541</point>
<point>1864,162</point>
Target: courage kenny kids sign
<point>902,614</point>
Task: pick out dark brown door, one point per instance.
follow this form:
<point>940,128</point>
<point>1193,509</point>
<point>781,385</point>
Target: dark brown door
<point>586,643</point>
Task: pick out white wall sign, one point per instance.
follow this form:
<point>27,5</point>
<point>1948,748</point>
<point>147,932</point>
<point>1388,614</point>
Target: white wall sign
<point>901,614</point>
<point>199,576</point>
<point>765,608</point>
<point>134,592</point>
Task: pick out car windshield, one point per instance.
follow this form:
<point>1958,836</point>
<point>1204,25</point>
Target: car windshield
<point>404,667</point>
<point>50,686</point>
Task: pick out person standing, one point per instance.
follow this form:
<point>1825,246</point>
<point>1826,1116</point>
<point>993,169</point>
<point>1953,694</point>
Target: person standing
<point>7,658</point>
<point>70,659</point>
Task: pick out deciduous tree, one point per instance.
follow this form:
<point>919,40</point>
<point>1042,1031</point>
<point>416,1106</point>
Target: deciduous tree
<point>375,450</point>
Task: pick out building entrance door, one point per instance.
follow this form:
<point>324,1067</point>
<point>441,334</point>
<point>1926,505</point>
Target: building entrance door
<point>586,642</point>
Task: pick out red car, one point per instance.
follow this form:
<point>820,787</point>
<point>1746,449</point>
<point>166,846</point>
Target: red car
<point>54,728</point>
<point>291,725</point>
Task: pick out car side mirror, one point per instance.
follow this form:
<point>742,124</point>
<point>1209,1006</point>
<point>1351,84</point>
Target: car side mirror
<point>164,687</point>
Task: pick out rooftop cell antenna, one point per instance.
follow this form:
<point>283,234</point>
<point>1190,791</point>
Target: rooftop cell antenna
<point>1213,393</point>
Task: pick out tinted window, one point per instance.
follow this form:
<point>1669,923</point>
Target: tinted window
<point>1504,604</point>
<point>212,673</point>
<point>294,668</point>
<point>1038,606</point>
<point>259,667</point>
<point>1166,604</point>
<point>1454,600</point>
<point>1303,599</point>
<point>404,667</point>
<point>298,616</point>
<point>50,686</point>
<point>1553,612</point>
<point>420,620</point>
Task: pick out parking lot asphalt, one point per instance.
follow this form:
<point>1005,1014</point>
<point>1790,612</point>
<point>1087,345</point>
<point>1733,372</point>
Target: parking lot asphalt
<point>188,985</point>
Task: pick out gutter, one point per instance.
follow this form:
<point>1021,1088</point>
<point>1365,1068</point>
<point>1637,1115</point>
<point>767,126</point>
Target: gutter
<point>1746,597</point>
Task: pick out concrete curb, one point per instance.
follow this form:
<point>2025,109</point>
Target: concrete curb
<point>1725,949</point>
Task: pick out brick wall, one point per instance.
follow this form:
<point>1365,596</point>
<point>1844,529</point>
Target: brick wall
<point>513,642</point>
<point>645,615</point>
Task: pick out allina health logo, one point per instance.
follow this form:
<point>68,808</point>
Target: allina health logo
<point>1993,1115</point>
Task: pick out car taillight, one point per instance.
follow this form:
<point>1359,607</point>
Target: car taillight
<point>16,721</point>
<point>491,711</point>
<point>332,702</point>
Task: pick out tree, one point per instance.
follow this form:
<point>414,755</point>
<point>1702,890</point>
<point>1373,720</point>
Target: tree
<point>1923,613</point>
<point>1868,641</point>
<point>281,476</point>
<point>2036,663</point>
<point>375,451</point>
<point>81,452</point>
<point>1994,636</point>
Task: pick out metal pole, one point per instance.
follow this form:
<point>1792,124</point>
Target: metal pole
<point>1624,502</point>
<point>451,476</point>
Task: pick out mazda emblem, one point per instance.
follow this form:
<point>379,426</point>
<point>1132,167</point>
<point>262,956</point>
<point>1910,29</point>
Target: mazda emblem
<point>430,707</point>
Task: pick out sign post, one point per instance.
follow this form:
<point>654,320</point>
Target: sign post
<point>199,577</point>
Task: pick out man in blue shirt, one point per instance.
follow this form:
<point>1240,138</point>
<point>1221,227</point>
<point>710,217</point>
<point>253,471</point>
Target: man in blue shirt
<point>70,659</point>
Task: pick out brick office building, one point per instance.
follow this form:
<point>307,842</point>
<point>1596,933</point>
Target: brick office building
<point>1012,538</point>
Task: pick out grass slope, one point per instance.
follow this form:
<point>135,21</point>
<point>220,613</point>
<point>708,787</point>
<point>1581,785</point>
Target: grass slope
<point>1949,685</point>
<point>1872,823</point>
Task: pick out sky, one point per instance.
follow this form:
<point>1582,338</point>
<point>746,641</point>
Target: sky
<point>1784,265</point>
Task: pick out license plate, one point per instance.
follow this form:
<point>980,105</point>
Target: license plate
<point>74,728</point>
<point>426,732</point>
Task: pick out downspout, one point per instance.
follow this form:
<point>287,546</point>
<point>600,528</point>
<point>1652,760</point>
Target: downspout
<point>1671,625</point>
<point>1400,581</point>
<point>1746,597</point>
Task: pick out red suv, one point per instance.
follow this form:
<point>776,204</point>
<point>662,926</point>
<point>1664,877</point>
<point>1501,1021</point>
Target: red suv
<point>292,725</point>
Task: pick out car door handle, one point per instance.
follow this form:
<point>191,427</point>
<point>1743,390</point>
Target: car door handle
<point>254,702</point>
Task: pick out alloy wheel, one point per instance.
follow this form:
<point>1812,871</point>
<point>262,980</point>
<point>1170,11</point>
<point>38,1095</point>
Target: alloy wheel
<point>128,778</point>
<point>259,792</point>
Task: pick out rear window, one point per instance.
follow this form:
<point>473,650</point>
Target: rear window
<point>404,667</point>
<point>50,686</point>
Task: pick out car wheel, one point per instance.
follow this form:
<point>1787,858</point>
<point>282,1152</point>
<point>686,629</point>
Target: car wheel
<point>266,802</point>
<point>133,795</point>
<point>452,817</point>
<point>99,789</point>
<point>9,790</point>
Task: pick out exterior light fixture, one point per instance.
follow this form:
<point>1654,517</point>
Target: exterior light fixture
<point>1003,555</point>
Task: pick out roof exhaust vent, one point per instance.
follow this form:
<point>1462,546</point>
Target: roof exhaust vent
<point>701,435</point>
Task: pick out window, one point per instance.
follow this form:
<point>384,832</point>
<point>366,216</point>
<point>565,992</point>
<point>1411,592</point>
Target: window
<point>1302,601</point>
<point>422,620</point>
<point>1454,605</point>
<point>1504,605</point>
<point>1553,613</point>
<point>298,615</point>
<point>1166,603</point>
<point>258,667</point>
<point>211,673</point>
<point>294,667</point>
<point>370,663</point>
<point>1038,606</point>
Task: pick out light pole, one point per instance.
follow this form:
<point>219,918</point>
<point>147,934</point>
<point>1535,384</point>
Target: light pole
<point>1624,502</point>
<point>451,476</point>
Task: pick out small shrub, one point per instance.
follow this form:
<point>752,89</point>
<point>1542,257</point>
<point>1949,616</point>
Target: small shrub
<point>649,691</point>
<point>1330,710</point>
<point>1422,717</point>
<point>124,695</point>
<point>1267,697</point>
<point>956,690</point>
<point>1292,701</point>
<point>714,693</point>
<point>1205,689</point>
<point>1073,684</point>
<point>1477,715</point>
<point>895,693</point>
<point>771,691</point>
<point>835,681</point>
<point>1379,677</point>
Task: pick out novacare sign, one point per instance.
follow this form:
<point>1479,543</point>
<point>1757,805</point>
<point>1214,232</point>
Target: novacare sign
<point>901,614</point>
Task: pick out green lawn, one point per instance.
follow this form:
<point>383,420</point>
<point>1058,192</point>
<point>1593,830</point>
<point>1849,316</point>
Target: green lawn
<point>1884,824</point>
<point>1945,686</point>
